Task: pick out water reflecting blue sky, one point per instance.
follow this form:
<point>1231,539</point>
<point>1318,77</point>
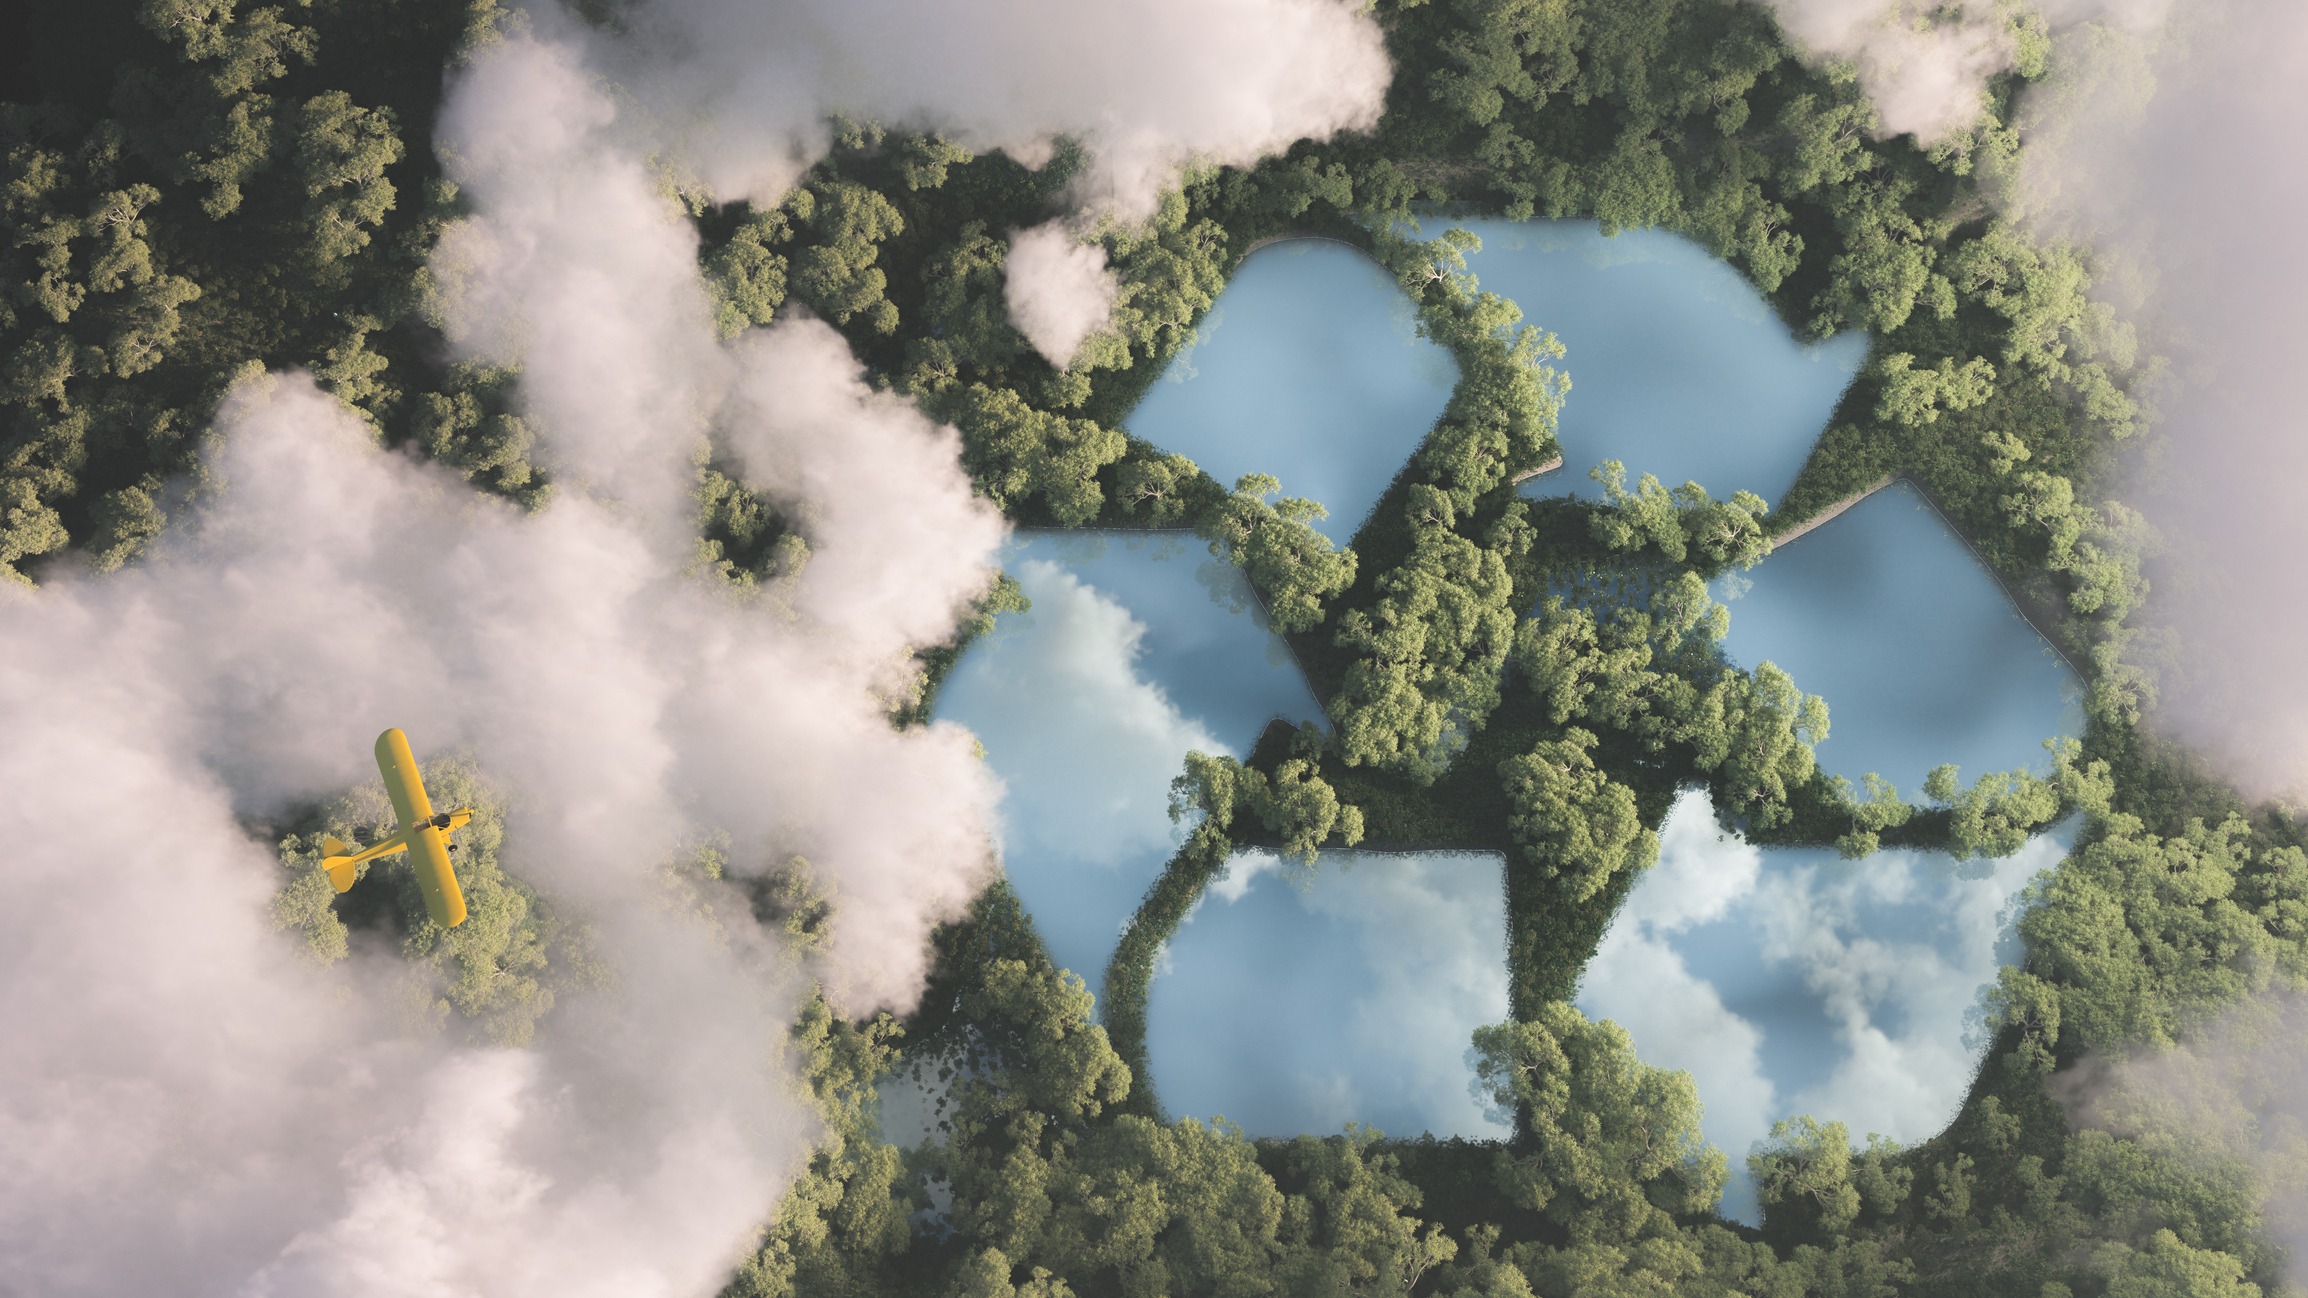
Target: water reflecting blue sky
<point>1883,612</point>
<point>1350,996</point>
<point>1787,980</point>
<point>1678,366</point>
<point>1309,368</point>
<point>1138,649</point>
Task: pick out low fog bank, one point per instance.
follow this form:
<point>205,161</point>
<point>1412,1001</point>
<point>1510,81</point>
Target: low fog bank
<point>2171,150</point>
<point>2160,136</point>
<point>2224,1105</point>
<point>2166,139</point>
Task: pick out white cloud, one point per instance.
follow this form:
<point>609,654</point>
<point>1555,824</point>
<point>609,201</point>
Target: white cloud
<point>895,532</point>
<point>1242,869</point>
<point>1149,85</point>
<point>1058,288</point>
<point>178,1077</point>
<point>577,268</point>
<point>1926,63</point>
<point>419,1199</point>
<point>1679,1021</point>
<point>623,385</point>
<point>2151,142</point>
<point>1431,931</point>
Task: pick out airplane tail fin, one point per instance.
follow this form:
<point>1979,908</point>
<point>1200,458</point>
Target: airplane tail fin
<point>337,859</point>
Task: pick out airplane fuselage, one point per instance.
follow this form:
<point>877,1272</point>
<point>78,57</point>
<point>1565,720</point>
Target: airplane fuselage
<point>428,846</point>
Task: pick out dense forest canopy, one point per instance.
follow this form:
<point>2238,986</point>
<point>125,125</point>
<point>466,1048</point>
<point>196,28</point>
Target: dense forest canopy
<point>199,189</point>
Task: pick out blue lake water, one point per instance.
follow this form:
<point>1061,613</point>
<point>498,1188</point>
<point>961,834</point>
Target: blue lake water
<point>1922,659</point>
<point>1678,366</point>
<point>1137,650</point>
<point>1788,981</point>
<point>1309,367</point>
<point>1350,997</point>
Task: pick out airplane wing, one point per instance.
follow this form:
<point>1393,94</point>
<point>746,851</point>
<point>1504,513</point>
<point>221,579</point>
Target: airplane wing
<point>341,859</point>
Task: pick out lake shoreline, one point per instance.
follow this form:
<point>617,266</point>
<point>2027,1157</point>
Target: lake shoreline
<point>2045,629</point>
<point>1535,472</point>
<point>1830,513</point>
<point>1272,239</point>
<point>2026,608</point>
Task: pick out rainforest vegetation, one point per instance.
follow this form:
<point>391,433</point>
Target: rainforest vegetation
<point>194,188</point>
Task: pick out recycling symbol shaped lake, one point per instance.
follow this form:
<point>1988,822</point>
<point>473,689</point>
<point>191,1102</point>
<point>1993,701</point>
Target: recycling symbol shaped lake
<point>1785,980</point>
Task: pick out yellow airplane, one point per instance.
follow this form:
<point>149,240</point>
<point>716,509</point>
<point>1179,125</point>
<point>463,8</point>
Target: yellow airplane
<point>424,835</point>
